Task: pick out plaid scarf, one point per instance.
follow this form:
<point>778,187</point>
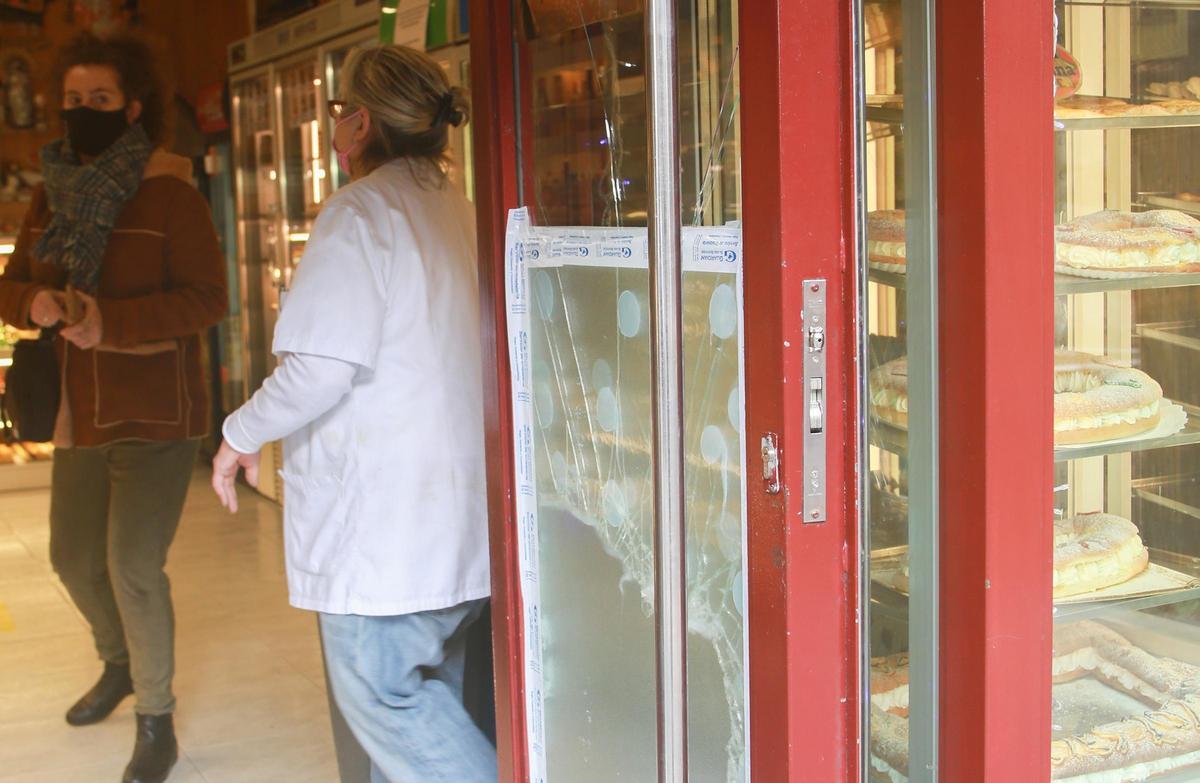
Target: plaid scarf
<point>86,200</point>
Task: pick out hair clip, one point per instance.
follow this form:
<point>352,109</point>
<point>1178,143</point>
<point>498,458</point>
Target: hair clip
<point>446,112</point>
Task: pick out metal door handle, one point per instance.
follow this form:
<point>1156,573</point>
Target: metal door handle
<point>816,405</point>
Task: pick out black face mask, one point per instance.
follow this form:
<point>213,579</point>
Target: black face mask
<point>92,131</point>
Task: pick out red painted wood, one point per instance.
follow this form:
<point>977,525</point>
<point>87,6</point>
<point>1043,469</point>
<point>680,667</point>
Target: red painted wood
<point>797,175</point>
<point>995,143</point>
<point>494,138</point>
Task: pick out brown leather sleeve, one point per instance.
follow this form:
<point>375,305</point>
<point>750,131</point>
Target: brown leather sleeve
<point>17,288</point>
<point>195,297</point>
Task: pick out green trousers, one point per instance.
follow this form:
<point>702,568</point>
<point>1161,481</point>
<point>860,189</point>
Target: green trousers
<point>114,511</point>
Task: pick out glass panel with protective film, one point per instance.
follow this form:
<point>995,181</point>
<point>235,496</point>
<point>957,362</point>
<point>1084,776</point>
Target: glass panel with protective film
<point>578,308</point>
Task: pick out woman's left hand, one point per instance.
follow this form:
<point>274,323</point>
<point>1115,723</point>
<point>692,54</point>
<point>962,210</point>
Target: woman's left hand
<point>225,470</point>
<point>87,332</point>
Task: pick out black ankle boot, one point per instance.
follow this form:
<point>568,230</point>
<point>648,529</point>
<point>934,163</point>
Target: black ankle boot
<point>155,752</point>
<point>98,703</point>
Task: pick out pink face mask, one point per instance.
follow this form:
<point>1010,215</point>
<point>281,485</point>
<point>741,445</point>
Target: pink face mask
<point>343,156</point>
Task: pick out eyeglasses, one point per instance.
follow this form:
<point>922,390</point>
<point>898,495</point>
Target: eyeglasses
<point>338,109</point>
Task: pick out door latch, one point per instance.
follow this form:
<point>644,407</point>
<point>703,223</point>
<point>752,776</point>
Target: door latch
<point>816,406</point>
<point>813,316</point>
<point>770,463</point>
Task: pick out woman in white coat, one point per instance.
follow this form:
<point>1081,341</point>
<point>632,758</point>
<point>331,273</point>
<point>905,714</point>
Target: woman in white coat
<point>378,399</point>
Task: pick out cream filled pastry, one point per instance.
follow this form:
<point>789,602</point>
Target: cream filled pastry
<point>1097,400</point>
<point>1163,737</point>
<point>1161,240</point>
<point>1094,551</point>
<point>1094,399</point>
<point>889,392</point>
<point>885,237</point>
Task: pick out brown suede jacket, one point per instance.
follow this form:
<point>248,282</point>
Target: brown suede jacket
<point>162,284</point>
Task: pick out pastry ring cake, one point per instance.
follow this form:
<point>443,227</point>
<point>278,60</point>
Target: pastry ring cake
<point>1096,400</point>
<point>885,237</point>
<point>1094,551</point>
<point>1161,240</point>
<point>889,392</point>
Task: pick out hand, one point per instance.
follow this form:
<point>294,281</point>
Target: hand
<point>46,309</point>
<point>225,470</point>
<point>87,333</point>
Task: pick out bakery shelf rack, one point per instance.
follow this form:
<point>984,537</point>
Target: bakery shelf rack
<point>1066,285</point>
<point>1173,493</point>
<point>895,440</point>
<point>1180,4</point>
<point>1128,123</point>
<point>886,115</point>
<point>892,602</point>
<point>1184,334</point>
<point>892,115</point>
<point>1161,201</point>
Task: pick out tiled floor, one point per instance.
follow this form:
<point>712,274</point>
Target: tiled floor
<point>251,693</point>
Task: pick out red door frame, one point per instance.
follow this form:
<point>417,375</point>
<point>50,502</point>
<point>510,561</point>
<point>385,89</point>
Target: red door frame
<point>996,165</point>
<point>799,199</point>
<point>494,143</point>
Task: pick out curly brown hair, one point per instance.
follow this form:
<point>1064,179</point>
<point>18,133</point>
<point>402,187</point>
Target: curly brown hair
<point>138,73</point>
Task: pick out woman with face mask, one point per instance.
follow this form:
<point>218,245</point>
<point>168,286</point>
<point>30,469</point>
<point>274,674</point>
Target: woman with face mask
<point>378,398</point>
<point>119,225</point>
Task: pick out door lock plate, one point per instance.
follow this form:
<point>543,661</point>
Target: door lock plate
<point>816,409</point>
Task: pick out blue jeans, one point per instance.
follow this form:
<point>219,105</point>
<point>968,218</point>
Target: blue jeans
<point>398,682</point>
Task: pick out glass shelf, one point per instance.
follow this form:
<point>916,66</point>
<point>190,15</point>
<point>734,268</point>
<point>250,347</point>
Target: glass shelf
<point>1072,284</point>
<point>894,603</point>
<point>1120,123</point>
<point>889,115</point>
<point>895,440</point>
<point>1181,4</point>
<point>1164,501</point>
<point>1184,334</point>
<point>1159,201</point>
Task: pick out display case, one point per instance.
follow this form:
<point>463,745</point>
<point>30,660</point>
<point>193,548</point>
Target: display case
<point>257,208</point>
<point>22,465</point>
<point>303,154</point>
<point>1126,660</point>
<point>285,167</point>
<point>1126,439</point>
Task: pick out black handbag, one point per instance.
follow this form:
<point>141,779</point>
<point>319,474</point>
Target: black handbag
<point>32,389</point>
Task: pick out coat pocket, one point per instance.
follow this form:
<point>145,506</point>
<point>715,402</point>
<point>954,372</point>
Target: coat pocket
<point>138,386</point>
<point>314,522</point>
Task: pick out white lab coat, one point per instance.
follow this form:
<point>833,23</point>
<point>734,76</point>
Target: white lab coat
<point>384,505</point>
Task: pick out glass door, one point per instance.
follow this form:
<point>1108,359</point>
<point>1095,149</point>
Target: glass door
<point>304,173</point>
<point>256,179</point>
<point>334,57</point>
<point>898,257</point>
<point>1126,549</point>
<point>579,322</point>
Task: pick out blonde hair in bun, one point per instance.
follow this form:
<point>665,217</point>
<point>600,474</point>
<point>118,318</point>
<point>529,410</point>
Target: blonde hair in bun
<point>411,103</point>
